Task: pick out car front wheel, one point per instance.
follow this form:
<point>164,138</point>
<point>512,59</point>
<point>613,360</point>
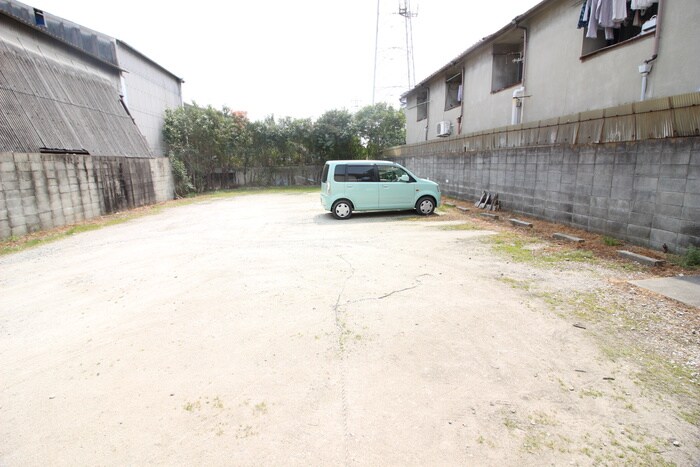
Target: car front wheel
<point>425,206</point>
<point>341,209</point>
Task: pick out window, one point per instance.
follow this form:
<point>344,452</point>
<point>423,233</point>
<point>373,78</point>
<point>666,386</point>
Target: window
<point>453,91</point>
<point>637,24</point>
<point>507,68</point>
<point>324,174</point>
<point>361,173</point>
<point>39,18</point>
<point>422,104</point>
<point>339,174</point>
<point>388,173</point>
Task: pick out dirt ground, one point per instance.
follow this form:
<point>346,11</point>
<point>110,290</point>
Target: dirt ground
<point>257,330</point>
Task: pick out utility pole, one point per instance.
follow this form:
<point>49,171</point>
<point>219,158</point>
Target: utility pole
<point>408,15</point>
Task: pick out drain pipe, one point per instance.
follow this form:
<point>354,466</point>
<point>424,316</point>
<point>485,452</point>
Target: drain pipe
<point>516,115</point>
<point>645,68</point>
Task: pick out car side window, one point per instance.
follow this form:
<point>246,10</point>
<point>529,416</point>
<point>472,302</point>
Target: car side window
<point>361,173</point>
<point>339,174</point>
<point>388,173</point>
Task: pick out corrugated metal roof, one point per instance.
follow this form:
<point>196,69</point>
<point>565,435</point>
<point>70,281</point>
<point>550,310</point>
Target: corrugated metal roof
<point>96,44</point>
<point>666,117</point>
<point>46,104</point>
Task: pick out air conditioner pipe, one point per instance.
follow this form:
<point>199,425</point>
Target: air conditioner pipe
<point>516,113</point>
<point>645,68</point>
<point>518,95</point>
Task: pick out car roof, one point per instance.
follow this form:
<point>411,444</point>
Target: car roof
<point>359,162</point>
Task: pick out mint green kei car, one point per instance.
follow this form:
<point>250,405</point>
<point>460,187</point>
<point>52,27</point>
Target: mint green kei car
<point>348,186</point>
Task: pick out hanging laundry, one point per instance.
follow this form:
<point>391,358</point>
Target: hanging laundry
<point>642,4</point>
<point>619,11</point>
<point>583,16</point>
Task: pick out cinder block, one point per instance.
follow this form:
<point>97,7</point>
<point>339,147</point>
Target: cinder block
<point>7,167</point>
<point>670,224</point>
<point>671,199</point>
<point>18,230</point>
<point>691,228</point>
<point>615,228</point>
<point>674,171</point>
<point>20,157</point>
<point>691,200</point>
<point>660,237</point>
<point>5,231</point>
<point>638,231</point>
<point>597,224</point>
<point>622,192</point>
<point>646,169</point>
<point>493,217</point>
<point>643,183</point>
<point>693,186</point>
<point>644,219</point>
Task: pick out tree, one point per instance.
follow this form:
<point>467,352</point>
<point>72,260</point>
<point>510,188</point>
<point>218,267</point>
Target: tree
<point>334,137</point>
<point>380,126</point>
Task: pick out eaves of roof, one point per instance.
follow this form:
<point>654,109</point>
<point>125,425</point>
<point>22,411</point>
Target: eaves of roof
<point>483,42</point>
<point>45,32</point>
<point>160,67</point>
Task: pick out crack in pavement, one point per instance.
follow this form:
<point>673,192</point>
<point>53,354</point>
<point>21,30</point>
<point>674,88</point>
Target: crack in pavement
<point>341,328</point>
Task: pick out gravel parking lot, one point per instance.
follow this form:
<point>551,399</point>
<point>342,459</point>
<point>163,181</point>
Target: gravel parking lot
<point>258,330</point>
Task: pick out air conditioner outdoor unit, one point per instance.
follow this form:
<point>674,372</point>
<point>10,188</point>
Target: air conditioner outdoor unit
<point>444,128</point>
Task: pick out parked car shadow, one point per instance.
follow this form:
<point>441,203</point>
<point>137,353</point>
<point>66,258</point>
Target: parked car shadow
<point>365,217</point>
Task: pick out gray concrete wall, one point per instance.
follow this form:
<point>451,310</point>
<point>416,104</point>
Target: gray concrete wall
<point>645,192</point>
<point>42,191</point>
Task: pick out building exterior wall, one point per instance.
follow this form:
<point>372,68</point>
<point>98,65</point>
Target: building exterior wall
<point>43,191</point>
<point>148,92</point>
<point>558,80</point>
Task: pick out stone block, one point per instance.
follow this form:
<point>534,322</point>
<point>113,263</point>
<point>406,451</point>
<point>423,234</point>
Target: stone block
<point>645,260</point>
<point>520,223</point>
<point>21,157</point>
<point>489,216</point>
<point>567,238</point>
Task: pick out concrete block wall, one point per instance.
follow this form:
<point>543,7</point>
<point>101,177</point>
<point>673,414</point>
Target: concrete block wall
<point>42,191</point>
<point>645,192</point>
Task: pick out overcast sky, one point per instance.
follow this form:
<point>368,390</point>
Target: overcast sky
<point>291,58</point>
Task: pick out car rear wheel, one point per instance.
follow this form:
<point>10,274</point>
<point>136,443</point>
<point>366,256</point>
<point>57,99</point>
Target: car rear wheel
<point>425,206</point>
<point>341,209</point>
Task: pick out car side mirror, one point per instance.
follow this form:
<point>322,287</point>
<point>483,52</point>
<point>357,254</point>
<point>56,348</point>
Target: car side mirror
<point>403,178</point>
